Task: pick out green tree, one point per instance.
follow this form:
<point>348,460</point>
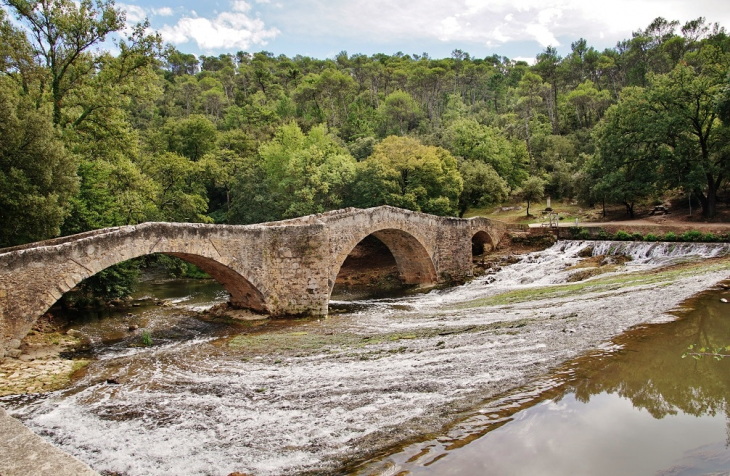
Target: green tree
<point>474,142</point>
<point>672,128</point>
<point>530,91</point>
<point>697,142</point>
<point>402,172</point>
<point>192,137</point>
<point>306,173</point>
<point>532,189</point>
<point>482,186</point>
<point>37,173</point>
<point>630,153</point>
<point>180,188</point>
<point>62,35</point>
<point>399,108</point>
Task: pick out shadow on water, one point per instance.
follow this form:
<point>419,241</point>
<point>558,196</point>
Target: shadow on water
<point>636,408</point>
<point>166,309</point>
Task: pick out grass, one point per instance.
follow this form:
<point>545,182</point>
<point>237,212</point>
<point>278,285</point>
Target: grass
<point>608,283</point>
<point>568,212</point>
<point>146,339</point>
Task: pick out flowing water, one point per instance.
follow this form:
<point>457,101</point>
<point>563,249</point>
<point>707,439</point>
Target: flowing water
<point>636,408</point>
<point>480,366</point>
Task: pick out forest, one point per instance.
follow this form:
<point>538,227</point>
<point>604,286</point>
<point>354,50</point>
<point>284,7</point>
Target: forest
<point>91,138</point>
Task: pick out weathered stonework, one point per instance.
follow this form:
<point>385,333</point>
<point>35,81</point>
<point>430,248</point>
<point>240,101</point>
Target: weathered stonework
<point>281,268</point>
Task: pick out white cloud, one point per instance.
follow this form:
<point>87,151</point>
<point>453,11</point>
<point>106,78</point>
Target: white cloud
<point>135,13</point>
<point>227,30</point>
<point>163,12</point>
<point>449,26</point>
<point>542,34</point>
<point>487,22</point>
<point>240,6</point>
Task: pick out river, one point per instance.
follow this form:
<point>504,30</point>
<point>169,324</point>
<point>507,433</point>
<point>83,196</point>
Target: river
<point>523,369</point>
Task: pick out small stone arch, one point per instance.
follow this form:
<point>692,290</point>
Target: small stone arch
<point>481,242</point>
<point>414,263</point>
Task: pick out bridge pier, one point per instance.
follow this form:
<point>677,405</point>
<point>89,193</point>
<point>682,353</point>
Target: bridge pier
<point>281,268</point>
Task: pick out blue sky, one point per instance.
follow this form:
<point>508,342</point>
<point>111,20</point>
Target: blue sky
<point>322,28</point>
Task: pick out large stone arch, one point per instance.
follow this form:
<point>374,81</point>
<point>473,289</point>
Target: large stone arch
<point>45,273</point>
<point>413,259</point>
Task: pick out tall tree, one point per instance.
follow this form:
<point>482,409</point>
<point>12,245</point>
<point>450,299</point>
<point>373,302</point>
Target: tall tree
<point>37,173</point>
<point>405,173</point>
<point>684,104</point>
<point>61,33</point>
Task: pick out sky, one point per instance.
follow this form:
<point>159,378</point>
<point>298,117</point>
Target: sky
<point>518,29</point>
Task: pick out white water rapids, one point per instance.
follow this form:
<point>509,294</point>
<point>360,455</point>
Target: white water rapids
<point>198,407</point>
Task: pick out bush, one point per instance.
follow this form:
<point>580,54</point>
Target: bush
<point>651,237</point>
<point>710,238</point>
<point>670,236</point>
<point>146,339</point>
<point>638,237</point>
<point>576,231</point>
<point>602,235</point>
<point>623,236</point>
<point>691,236</point>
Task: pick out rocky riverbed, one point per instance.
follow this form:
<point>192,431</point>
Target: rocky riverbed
<point>317,396</point>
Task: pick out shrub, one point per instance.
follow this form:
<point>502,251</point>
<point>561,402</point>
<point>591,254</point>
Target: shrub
<point>146,338</point>
<point>691,236</point>
<point>651,237</point>
<point>710,238</point>
<point>638,237</point>
<point>622,236</point>
<point>602,235</point>
<point>576,231</point>
<point>670,236</point>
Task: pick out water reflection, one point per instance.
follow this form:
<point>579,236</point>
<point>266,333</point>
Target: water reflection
<point>638,408</point>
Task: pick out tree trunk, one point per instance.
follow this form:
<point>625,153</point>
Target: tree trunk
<point>709,204</point>
<point>529,149</point>
<point>630,209</point>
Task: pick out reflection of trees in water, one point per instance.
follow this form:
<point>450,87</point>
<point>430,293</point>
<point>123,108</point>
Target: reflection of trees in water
<point>651,373</point>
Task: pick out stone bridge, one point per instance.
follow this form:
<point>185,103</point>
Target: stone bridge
<point>281,268</point>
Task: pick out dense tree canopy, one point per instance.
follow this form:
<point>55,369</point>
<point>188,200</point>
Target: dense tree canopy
<point>93,139</point>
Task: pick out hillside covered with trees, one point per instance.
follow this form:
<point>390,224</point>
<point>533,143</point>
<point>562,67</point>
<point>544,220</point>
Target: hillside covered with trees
<point>93,139</point>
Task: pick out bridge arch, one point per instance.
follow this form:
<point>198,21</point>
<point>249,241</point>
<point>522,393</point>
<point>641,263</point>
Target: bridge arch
<point>48,272</point>
<point>481,242</point>
<point>243,292</point>
<point>414,262</point>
